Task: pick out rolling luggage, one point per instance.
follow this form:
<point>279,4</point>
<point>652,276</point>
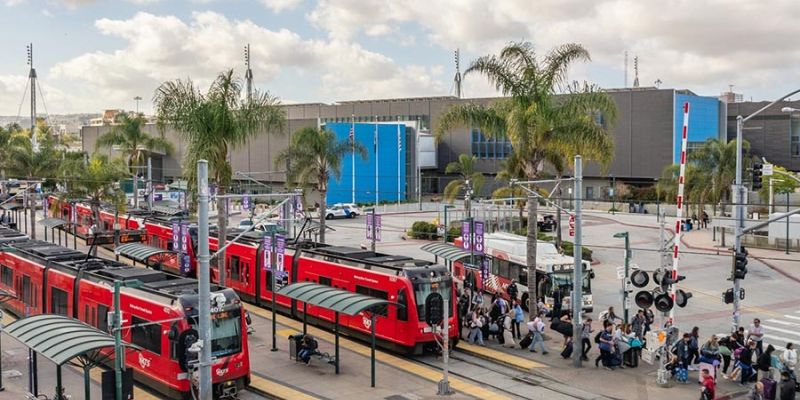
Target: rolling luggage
<point>567,352</point>
<point>770,388</point>
<point>681,374</point>
<point>526,341</point>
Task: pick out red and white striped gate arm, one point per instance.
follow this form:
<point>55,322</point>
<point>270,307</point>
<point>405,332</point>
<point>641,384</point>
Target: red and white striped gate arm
<point>679,213</point>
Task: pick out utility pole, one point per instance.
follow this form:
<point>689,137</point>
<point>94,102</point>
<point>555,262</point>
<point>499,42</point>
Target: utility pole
<point>444,384</point>
<point>32,77</point>
<point>577,275</point>
<point>613,195</point>
<point>204,277</point>
<point>135,186</point>
<point>373,227</point>
<point>137,99</point>
<point>625,302</point>
<point>119,353</point>
<point>150,191</point>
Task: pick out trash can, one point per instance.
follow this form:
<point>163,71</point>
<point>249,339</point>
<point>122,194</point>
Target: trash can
<point>294,345</point>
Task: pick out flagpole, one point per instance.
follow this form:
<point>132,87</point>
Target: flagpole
<point>353,159</point>
<point>377,164</point>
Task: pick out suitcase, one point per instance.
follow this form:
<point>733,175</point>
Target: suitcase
<point>567,352</point>
<point>631,358</point>
<point>681,374</point>
<point>711,371</point>
<point>770,388</point>
<point>526,341</point>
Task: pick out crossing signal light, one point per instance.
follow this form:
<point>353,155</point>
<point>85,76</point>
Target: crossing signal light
<point>640,278</point>
<point>667,280</point>
<point>740,264</point>
<point>682,298</point>
<point>757,172</point>
<point>643,299</point>
<point>663,302</point>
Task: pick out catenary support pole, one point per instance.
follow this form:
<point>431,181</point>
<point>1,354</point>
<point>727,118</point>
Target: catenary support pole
<point>117,341</point>
<point>739,215</point>
<point>204,276</point>
<point>444,384</point>
<point>374,229</point>
<point>336,340</point>
<point>87,383</point>
<point>577,275</point>
<point>150,192</point>
<point>272,270</point>
<point>788,217</point>
<point>372,352</point>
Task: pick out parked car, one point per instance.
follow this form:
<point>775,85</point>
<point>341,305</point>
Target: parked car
<point>245,224</point>
<point>354,209</point>
<point>546,223</point>
<point>339,211</point>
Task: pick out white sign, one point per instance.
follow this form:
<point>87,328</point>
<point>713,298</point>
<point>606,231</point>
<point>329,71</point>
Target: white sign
<point>627,303</point>
<point>621,272</point>
<point>767,170</point>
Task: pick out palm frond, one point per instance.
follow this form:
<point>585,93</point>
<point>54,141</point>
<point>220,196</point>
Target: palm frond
<point>558,61</point>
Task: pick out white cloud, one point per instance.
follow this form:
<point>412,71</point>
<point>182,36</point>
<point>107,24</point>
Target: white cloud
<point>161,48</point>
<point>281,5</point>
<point>702,45</point>
<point>143,2</point>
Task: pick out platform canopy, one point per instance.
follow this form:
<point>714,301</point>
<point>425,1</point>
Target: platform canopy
<point>60,339</point>
<point>446,251</point>
<point>333,299</point>
<point>53,223</point>
<point>140,252</point>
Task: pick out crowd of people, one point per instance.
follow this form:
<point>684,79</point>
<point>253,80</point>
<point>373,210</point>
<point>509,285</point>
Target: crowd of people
<point>742,356</point>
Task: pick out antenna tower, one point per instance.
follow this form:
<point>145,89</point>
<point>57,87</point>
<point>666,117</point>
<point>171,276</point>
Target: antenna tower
<point>636,71</point>
<point>626,68</point>
<point>248,75</point>
<point>32,77</point>
<point>457,78</point>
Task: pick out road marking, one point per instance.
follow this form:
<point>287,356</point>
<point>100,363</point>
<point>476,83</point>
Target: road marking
<point>777,321</point>
<point>791,316</point>
<point>424,372</point>
<point>276,389</point>
<point>772,328</point>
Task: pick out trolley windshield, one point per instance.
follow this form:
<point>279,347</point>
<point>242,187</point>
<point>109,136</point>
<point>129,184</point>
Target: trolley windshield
<point>441,285</point>
<point>226,333</point>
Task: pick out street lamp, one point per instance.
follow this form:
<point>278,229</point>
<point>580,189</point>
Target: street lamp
<point>137,99</point>
<point>446,206</point>
<point>118,352</point>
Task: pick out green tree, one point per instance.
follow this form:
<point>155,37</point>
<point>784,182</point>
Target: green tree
<point>97,180</point>
<point>542,127</point>
<point>464,167</point>
<point>213,124</point>
<point>25,163</point>
<point>315,156</point>
<point>717,159</point>
<point>132,142</point>
<point>782,183</point>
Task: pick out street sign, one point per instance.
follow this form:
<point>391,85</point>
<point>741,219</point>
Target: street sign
<point>621,272</point>
<point>479,247</point>
<point>767,170</point>
<point>571,226</point>
<point>465,235</point>
<point>267,245</point>
<point>627,304</point>
<point>280,249</point>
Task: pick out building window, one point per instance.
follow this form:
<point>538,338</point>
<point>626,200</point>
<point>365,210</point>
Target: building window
<point>795,138</point>
<point>589,193</point>
<point>147,336</point>
<point>489,148</point>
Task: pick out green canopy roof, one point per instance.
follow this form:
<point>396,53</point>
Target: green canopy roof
<point>446,251</point>
<point>338,300</point>
<point>60,338</point>
<point>53,222</point>
<point>139,252</point>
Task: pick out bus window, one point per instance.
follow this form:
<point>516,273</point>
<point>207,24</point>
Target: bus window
<point>513,270</point>
<point>402,307</point>
<point>523,274</point>
<point>496,266</point>
<point>504,269</point>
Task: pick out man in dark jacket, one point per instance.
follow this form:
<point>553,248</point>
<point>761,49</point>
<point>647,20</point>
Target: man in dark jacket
<point>787,387</point>
<point>512,290</point>
<point>746,360</point>
<point>765,361</point>
<point>682,350</point>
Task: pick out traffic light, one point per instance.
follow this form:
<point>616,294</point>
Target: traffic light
<point>682,298</point>
<point>740,264</point>
<point>660,296</point>
<point>664,302</point>
<point>757,171</point>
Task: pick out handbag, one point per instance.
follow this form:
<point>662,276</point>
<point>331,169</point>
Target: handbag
<point>636,343</point>
<point>494,327</point>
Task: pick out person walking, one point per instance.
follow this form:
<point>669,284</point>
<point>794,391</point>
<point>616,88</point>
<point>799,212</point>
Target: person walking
<point>789,360</point>
<point>709,352</point>
<point>475,333</point>
<point>694,349</point>
<point>606,347</point>
<point>746,362</point>
<point>727,346</point>
<point>610,316</point>
<point>649,318</point>
<point>512,290</point>
<point>477,299</point>
<point>519,317</point>
<point>705,219</point>
<point>764,362</point>
<point>756,334</point>
<point>586,334</point>
<point>707,388</point>
<point>637,324</point>
<point>787,386</point>
<point>757,393</point>
<point>683,351</point>
<point>508,333</point>
<point>537,327</point>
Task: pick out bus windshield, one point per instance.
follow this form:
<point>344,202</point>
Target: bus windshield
<point>565,279</point>
<point>422,290</point>
<point>226,333</point>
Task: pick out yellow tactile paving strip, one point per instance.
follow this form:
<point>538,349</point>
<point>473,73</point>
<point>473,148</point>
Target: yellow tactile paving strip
<point>499,356</point>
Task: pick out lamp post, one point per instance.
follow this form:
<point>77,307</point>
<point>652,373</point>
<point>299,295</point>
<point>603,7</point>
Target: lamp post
<point>118,351</point>
<point>739,198</point>
<point>613,195</point>
<point>446,206</point>
<point>625,307</point>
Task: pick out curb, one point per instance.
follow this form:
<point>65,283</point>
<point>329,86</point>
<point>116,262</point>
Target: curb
<point>494,360</point>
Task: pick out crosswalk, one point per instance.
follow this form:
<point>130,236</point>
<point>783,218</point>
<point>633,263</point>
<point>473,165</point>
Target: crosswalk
<point>778,331</point>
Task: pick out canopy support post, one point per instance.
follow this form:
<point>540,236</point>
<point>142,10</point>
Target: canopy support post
<point>336,341</point>
<point>86,382</point>
<point>59,387</point>
<point>372,353</point>
<point>305,325</point>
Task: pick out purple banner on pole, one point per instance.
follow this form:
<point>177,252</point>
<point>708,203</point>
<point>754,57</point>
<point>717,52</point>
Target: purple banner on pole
<point>369,226</point>
<point>185,264</point>
<point>465,235</point>
<point>378,228</point>
<point>280,249</point>
<point>478,237</point>
<point>246,202</point>
<point>267,252</point>
<point>176,236</point>
<point>484,271</point>
<point>184,237</point>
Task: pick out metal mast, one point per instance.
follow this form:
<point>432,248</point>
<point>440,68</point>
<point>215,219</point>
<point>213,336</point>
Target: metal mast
<point>32,77</point>
<point>457,78</point>
<point>636,71</point>
<point>248,75</point>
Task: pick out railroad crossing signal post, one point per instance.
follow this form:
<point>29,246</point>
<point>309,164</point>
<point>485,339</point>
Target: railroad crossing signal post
<point>625,301</point>
<point>118,350</point>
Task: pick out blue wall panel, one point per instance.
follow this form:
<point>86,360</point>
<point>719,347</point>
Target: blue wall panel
<point>703,121</point>
<point>385,161</point>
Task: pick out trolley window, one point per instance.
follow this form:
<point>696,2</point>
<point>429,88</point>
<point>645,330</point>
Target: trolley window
<point>102,317</point>
<point>7,276</point>
<point>147,336</point>
<point>27,293</point>
<point>235,268</point>
<point>421,291</point>
<point>58,301</point>
<point>324,280</point>
<point>374,293</point>
<point>226,336</point>
<point>402,308</point>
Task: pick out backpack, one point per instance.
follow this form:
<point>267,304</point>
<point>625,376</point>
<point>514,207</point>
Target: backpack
<point>597,337</point>
<point>737,353</point>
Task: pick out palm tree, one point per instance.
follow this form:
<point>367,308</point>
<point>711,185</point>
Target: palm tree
<point>133,143</point>
<point>467,176</point>
<point>96,180</point>
<point>541,126</point>
<point>314,156</point>
<point>213,124</point>
<point>24,162</point>
<point>717,158</point>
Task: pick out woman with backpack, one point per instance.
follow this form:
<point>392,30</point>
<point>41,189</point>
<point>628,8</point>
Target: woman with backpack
<point>476,323</point>
<point>727,346</point>
<point>606,346</point>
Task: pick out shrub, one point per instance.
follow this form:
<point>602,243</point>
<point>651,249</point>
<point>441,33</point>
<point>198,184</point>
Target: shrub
<point>423,230</point>
<point>453,233</point>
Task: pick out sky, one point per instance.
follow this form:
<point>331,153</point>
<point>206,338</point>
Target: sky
<point>92,55</point>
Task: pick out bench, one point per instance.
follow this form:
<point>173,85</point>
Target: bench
<point>294,350</point>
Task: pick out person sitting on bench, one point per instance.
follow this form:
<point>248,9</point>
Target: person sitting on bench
<point>307,348</point>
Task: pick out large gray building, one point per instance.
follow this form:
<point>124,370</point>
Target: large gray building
<point>644,137</point>
<point>773,134</point>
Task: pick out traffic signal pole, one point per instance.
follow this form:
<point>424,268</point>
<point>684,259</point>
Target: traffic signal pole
<point>577,273</point>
